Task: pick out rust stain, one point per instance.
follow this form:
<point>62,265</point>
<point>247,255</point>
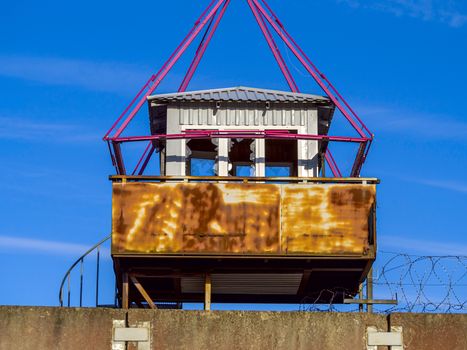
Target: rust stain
<point>326,218</point>
<point>240,218</point>
<point>202,217</point>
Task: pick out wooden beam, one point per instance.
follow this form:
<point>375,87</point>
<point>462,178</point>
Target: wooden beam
<point>207,292</point>
<point>125,291</point>
<point>143,292</point>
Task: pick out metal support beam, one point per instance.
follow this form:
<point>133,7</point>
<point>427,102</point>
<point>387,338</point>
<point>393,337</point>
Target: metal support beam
<point>146,161</point>
<point>202,49</point>
<point>319,77</point>
<point>274,48</point>
<point>371,301</point>
<point>142,157</point>
<point>119,158</point>
<point>266,19</point>
<point>252,134</point>
<point>157,79</point>
<point>332,164</point>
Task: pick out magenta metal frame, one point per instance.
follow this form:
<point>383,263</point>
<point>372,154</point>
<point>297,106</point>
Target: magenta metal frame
<point>268,23</point>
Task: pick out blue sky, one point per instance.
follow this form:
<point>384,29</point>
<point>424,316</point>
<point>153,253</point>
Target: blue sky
<point>66,72</point>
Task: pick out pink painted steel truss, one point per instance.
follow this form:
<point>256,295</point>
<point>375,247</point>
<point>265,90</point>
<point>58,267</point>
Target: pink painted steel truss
<point>268,23</point>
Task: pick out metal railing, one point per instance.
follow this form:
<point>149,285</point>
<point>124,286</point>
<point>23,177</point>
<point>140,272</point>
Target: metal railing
<point>313,180</point>
<point>66,281</point>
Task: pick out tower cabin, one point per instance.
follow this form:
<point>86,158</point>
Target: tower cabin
<point>242,211</point>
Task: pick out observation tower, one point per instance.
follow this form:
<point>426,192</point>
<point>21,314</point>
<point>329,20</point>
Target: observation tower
<point>236,196</point>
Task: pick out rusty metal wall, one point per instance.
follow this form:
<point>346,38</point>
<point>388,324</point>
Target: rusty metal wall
<point>246,218</point>
<point>326,219</point>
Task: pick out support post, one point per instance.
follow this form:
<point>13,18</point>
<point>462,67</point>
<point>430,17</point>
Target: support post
<point>360,297</point>
<point>369,290</point>
<point>207,292</point>
<point>125,291</point>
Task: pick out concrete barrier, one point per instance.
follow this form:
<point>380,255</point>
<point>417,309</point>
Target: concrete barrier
<point>37,328</point>
<point>257,330</point>
<point>72,328</point>
<point>432,331</point>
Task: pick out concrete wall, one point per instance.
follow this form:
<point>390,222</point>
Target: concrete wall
<point>60,328</point>
<point>27,328</point>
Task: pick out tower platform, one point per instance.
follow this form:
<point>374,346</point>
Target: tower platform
<point>248,240</point>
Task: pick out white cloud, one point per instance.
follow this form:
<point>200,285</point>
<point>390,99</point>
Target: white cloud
<point>34,130</point>
<point>99,76</point>
<point>421,246</point>
<point>416,124</point>
<point>448,185</point>
<point>450,12</point>
<point>39,246</point>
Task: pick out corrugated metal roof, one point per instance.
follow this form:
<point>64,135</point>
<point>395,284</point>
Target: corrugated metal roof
<point>245,94</point>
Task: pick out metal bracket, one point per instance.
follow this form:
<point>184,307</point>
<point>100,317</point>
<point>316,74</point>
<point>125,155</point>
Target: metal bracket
<point>371,301</point>
<point>121,335</point>
<point>393,339</point>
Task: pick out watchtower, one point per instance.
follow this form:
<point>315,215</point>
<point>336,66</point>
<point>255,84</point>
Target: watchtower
<point>240,208</point>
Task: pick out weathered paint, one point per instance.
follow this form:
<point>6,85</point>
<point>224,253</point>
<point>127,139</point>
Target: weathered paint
<point>326,218</point>
<point>235,218</point>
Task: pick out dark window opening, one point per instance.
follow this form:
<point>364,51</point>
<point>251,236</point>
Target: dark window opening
<point>281,158</point>
<point>241,156</point>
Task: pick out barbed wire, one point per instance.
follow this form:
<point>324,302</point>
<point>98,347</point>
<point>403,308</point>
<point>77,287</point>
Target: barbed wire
<point>427,284</point>
<point>424,283</point>
<point>334,298</point>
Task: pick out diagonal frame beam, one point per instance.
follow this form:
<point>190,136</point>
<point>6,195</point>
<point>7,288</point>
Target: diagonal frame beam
<point>199,25</point>
<point>143,292</point>
<point>154,76</point>
<point>274,48</point>
<point>315,74</point>
<point>202,49</point>
<point>321,80</point>
<point>320,74</point>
